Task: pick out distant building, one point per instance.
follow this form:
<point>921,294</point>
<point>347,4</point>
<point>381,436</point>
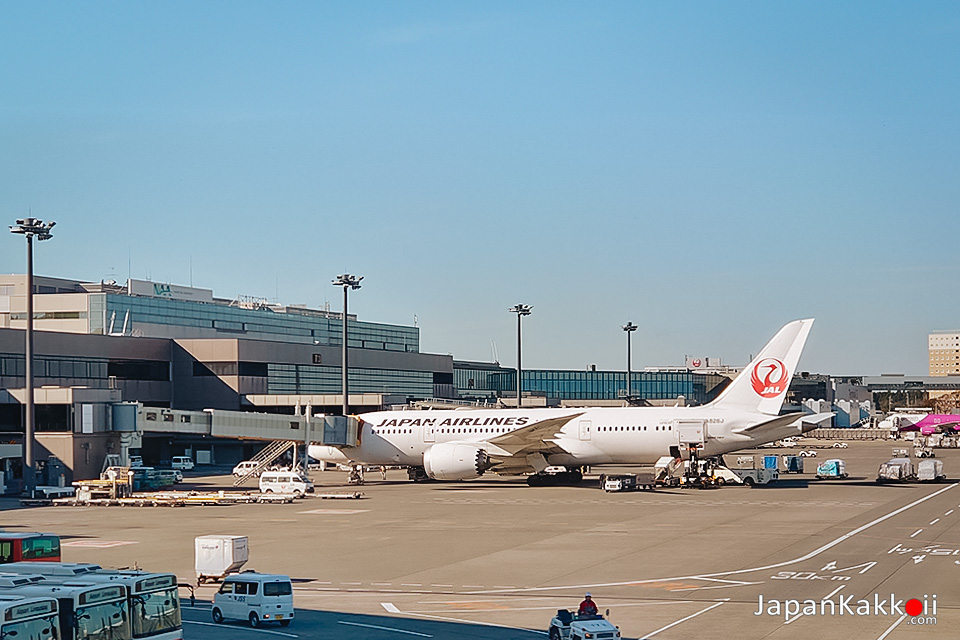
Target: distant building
<point>944,350</point>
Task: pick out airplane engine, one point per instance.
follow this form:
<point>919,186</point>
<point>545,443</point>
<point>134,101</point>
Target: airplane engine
<point>452,461</point>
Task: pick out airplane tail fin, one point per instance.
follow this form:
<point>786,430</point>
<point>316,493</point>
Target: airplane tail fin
<point>762,386</point>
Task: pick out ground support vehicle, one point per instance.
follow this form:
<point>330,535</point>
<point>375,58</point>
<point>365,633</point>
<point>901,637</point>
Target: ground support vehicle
<point>627,482</point>
<point>752,474</point>
<point>285,482</point>
<point>833,468</point>
<point>924,452</point>
<point>217,556</point>
<point>256,598</point>
<point>28,618</point>
<point>792,464</point>
<point>567,626</point>
<point>931,471</point>
<point>896,470</point>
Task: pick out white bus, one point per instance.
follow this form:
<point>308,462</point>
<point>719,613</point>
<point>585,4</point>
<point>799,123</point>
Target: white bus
<point>88,611</point>
<point>28,618</point>
<point>152,598</point>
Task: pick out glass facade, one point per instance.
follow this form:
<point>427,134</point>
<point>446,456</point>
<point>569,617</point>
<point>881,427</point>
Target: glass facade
<point>292,325</point>
<point>609,385</point>
<point>305,379</point>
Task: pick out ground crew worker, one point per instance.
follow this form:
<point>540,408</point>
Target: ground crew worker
<point>588,607</point>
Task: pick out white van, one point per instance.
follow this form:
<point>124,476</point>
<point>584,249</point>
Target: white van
<point>184,463</point>
<point>284,482</point>
<point>245,467</point>
<point>255,597</point>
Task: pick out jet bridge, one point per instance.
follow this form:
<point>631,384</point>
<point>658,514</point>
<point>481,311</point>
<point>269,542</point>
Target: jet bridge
<point>217,423</point>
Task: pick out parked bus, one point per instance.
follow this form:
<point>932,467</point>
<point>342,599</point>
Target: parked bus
<point>153,600</point>
<point>31,547</point>
<point>88,611</point>
<point>28,618</point>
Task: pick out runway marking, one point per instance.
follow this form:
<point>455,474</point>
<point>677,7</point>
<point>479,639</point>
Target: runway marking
<point>673,624</point>
<point>915,532</point>
<point>213,624</point>
<point>803,558</point>
<point>96,544</point>
<point>892,627</point>
<point>935,521</point>
<point>948,512</point>
<point>373,626</point>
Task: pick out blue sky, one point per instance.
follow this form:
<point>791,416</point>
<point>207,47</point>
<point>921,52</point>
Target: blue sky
<point>707,170</point>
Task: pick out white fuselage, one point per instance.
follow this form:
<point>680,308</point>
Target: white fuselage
<point>631,435</point>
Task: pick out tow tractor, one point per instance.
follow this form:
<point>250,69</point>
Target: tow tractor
<point>569,626</point>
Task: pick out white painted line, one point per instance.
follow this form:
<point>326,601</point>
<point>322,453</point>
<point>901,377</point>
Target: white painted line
<point>442,585</point>
<point>915,532</point>
<point>353,584</point>
<point>411,584</point>
<point>673,624</point>
<point>389,606</point>
<point>96,544</point>
<point>382,584</point>
<point>948,512</point>
<point>334,512</point>
<point>213,624</point>
<point>473,586</point>
<point>935,521</point>
<point>892,627</point>
<point>373,626</point>
<point>833,593</point>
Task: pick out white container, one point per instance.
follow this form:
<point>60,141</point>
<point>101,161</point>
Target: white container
<point>216,556</point>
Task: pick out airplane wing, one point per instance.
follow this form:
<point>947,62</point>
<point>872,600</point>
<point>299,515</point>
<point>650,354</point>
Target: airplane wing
<point>536,437</point>
<point>947,427</point>
<point>805,422</point>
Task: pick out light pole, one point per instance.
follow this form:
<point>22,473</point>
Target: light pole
<point>30,228</point>
<point>346,281</point>
<point>521,310</point>
<point>629,328</point>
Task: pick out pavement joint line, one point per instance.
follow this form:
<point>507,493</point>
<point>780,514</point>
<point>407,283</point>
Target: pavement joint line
<point>673,624</point>
<point>892,627</point>
<point>374,626</point>
<point>812,554</point>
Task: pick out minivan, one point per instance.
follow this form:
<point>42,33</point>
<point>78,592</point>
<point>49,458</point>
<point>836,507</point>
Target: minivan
<point>285,482</point>
<point>184,463</point>
<point>254,597</point>
<point>245,467</point>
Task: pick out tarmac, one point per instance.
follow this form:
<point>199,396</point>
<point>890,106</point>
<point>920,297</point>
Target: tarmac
<point>494,558</point>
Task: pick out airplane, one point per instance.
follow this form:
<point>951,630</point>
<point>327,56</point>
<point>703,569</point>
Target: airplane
<point>460,444</point>
<point>926,423</point>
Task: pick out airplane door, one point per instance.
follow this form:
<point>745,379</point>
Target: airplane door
<point>690,431</point>
<point>585,429</point>
<point>429,435</point>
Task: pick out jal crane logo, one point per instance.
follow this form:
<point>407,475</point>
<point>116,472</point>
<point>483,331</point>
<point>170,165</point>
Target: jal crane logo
<point>769,378</point>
